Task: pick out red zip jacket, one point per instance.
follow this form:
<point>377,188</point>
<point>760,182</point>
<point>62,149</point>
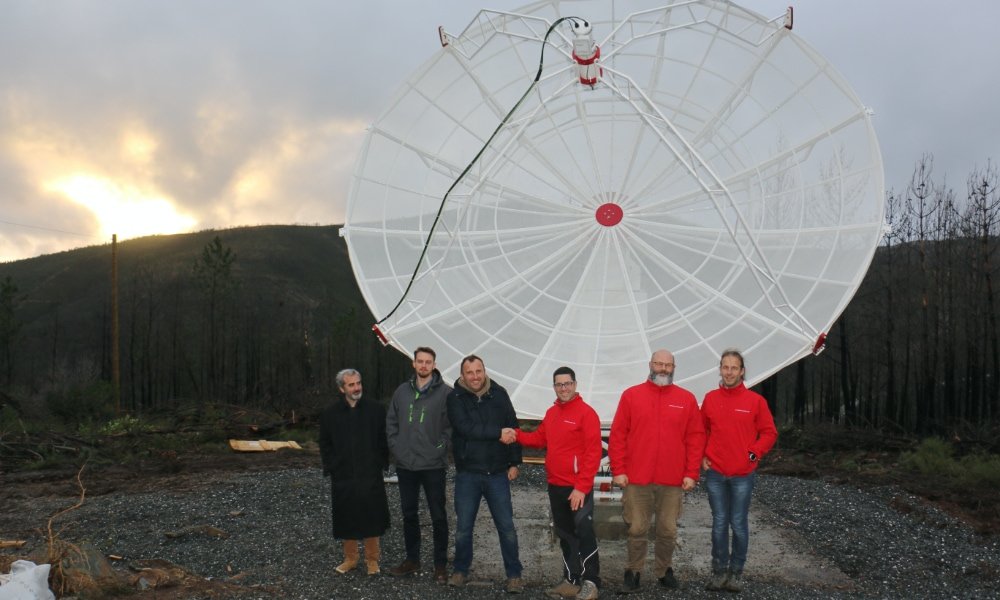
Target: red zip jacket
<point>571,431</point>
<point>737,422</point>
<point>657,435</point>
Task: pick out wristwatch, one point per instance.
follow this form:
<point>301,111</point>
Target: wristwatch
<point>753,457</point>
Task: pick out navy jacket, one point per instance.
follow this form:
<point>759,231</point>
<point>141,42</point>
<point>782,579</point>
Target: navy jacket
<point>475,429</point>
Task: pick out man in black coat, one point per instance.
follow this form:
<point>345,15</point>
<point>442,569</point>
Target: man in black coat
<point>478,410</point>
<point>353,447</point>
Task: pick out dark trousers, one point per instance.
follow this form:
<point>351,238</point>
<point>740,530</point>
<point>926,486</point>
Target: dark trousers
<point>410,483</point>
<point>576,535</point>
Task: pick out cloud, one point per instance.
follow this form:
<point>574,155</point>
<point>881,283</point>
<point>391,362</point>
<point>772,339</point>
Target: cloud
<point>239,112</point>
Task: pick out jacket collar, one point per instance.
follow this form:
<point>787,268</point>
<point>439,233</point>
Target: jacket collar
<point>483,392</point>
<point>652,386</point>
<point>342,403</point>
<point>433,383</point>
<point>739,388</point>
<point>570,401</point>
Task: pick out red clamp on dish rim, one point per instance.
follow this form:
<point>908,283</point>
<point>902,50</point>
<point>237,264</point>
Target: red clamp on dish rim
<point>381,336</point>
<point>820,344</point>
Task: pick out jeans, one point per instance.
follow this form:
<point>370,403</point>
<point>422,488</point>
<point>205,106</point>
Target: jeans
<point>639,504</point>
<point>575,529</point>
<point>470,489</point>
<point>432,481</point>
<point>729,498</point>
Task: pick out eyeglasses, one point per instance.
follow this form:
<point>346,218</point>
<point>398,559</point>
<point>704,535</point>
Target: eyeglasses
<point>564,384</point>
<point>660,365</point>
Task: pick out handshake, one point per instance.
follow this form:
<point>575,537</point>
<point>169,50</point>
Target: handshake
<point>508,435</point>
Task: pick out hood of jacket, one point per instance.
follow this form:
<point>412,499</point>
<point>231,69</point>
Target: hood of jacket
<point>460,383</point>
<point>436,381</point>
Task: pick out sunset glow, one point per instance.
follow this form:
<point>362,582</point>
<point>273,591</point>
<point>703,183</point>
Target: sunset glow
<point>122,209</point>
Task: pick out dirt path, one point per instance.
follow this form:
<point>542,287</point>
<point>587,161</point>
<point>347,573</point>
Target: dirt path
<point>778,554</point>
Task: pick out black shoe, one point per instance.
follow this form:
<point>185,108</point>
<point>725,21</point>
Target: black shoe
<point>440,574</point>
<point>668,580</point>
<point>407,567</point>
<point>630,583</point>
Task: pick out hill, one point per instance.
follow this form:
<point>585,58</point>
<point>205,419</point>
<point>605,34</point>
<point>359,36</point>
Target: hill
<point>263,316</point>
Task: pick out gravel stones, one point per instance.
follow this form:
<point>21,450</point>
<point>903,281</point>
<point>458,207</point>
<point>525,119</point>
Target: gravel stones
<point>270,532</point>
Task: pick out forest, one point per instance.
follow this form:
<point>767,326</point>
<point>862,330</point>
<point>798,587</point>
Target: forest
<point>916,351</point>
<point>264,317</point>
<point>255,317</point>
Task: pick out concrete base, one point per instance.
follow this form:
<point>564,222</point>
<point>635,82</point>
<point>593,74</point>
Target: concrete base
<point>775,554</point>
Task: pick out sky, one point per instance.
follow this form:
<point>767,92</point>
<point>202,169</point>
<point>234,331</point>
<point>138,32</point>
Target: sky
<point>139,117</point>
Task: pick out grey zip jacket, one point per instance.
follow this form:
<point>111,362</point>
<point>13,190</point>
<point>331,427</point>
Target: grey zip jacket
<point>416,424</point>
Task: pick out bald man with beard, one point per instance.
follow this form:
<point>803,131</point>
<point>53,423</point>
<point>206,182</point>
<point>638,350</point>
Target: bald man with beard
<point>656,444</point>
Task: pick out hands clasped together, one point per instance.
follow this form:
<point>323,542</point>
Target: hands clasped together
<point>508,435</point>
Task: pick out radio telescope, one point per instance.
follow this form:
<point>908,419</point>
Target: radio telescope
<point>706,181</point>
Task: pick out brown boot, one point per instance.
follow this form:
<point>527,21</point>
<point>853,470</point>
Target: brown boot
<point>350,556</point>
<point>372,555</point>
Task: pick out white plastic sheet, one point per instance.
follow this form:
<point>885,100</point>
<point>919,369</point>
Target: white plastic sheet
<point>26,581</point>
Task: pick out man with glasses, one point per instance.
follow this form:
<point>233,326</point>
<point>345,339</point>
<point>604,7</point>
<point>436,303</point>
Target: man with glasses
<point>571,431</point>
<point>656,444</point>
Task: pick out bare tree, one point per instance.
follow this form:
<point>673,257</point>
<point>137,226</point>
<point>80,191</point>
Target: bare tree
<point>9,327</point>
<point>920,203</point>
<point>981,220</point>
<point>214,271</point>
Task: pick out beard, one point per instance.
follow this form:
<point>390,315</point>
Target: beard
<point>661,379</point>
<point>355,396</point>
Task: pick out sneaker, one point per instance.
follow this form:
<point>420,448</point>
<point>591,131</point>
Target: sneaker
<point>668,580</point>
<point>515,585</point>
<point>588,591</point>
<point>717,582</point>
<point>458,579</point>
<point>440,574</point>
<point>407,567</point>
<point>566,589</point>
<point>734,583</point>
<point>630,583</point>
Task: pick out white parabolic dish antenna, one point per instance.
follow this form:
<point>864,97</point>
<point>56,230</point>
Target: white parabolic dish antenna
<point>720,185</point>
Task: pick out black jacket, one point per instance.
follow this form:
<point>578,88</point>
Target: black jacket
<point>475,429</point>
<point>352,441</point>
<point>353,448</point>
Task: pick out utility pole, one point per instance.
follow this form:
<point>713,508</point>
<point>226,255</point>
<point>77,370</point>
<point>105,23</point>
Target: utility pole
<point>115,371</point>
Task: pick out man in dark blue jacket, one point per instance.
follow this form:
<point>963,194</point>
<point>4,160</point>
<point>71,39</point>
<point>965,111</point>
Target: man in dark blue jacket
<point>479,409</point>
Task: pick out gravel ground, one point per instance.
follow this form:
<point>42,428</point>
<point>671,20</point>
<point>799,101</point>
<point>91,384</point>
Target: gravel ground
<point>890,544</point>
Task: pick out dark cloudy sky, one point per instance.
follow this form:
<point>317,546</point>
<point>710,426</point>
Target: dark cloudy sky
<point>142,116</point>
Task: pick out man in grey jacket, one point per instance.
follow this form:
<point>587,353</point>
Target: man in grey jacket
<point>418,433</point>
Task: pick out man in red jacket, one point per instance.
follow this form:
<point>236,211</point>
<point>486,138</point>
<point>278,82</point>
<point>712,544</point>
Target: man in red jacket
<point>740,431</point>
<point>656,444</point>
<point>571,430</point>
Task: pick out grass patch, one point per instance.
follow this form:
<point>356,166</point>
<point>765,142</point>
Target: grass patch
<point>934,457</point>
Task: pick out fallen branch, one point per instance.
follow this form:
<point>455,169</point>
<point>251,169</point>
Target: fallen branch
<point>59,550</point>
